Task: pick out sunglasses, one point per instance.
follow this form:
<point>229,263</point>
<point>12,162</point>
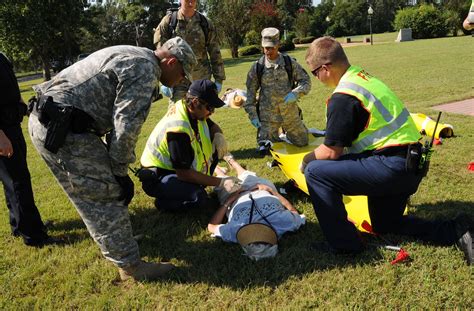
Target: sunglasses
<point>207,106</point>
<point>315,72</point>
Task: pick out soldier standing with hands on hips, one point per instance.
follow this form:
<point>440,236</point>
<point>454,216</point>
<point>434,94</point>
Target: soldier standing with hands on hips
<point>200,33</point>
<point>280,81</point>
<point>110,91</point>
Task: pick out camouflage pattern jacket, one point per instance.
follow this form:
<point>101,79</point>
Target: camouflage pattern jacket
<point>274,85</point>
<point>208,55</point>
<point>114,86</point>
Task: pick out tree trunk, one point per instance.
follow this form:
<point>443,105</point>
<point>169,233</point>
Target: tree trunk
<point>46,70</point>
<point>138,36</point>
<point>234,49</point>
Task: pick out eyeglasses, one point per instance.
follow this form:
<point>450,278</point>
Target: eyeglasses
<point>315,72</point>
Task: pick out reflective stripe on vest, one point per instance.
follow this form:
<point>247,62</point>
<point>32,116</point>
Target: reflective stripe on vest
<point>381,133</point>
<point>153,144</point>
<point>156,153</point>
<point>389,122</point>
<point>387,116</point>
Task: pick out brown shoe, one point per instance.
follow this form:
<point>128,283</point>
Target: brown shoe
<point>145,271</point>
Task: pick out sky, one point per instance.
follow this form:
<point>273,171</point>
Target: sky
<point>316,2</point>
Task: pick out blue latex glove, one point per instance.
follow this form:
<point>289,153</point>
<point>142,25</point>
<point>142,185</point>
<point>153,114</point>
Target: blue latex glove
<point>219,87</point>
<point>166,91</point>
<point>255,122</point>
<point>290,98</point>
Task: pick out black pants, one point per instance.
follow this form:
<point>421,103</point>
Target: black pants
<point>387,185</point>
<point>25,220</point>
<point>173,194</point>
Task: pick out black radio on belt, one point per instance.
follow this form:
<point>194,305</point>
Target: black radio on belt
<point>414,152</point>
<point>426,152</point>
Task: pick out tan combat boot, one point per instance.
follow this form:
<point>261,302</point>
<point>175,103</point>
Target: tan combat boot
<point>145,271</point>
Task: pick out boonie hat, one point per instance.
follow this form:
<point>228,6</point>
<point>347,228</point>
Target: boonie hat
<point>206,90</point>
<point>256,233</point>
<point>270,37</point>
<point>183,52</point>
<point>234,98</point>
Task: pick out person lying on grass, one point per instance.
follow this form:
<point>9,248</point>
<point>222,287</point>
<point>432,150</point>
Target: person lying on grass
<point>257,215</point>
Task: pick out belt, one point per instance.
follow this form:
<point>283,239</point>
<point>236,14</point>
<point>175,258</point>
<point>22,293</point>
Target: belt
<point>80,121</point>
<point>396,151</point>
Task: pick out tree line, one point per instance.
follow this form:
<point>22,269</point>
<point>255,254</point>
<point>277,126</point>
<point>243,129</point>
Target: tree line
<point>37,33</point>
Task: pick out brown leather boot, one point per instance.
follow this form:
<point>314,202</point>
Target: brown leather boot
<point>145,271</point>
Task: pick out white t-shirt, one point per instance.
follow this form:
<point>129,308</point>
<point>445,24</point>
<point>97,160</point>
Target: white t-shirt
<point>281,219</point>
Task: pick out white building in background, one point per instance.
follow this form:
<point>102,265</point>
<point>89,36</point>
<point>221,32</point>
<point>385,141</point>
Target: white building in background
<point>97,2</point>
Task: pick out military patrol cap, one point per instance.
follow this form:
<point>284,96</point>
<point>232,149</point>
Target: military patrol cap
<point>183,52</point>
<point>207,91</point>
<point>270,37</point>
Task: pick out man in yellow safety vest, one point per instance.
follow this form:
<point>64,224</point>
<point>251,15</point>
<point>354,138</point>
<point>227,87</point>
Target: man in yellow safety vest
<point>371,148</point>
<point>177,163</point>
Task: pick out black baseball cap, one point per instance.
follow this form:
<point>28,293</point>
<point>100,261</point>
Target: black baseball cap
<point>207,91</point>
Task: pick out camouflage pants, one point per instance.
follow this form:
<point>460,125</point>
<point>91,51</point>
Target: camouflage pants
<point>285,116</point>
<point>82,168</point>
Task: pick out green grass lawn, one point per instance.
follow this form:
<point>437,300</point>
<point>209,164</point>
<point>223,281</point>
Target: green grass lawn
<point>213,274</point>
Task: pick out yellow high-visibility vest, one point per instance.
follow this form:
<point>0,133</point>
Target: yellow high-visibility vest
<point>176,120</point>
<point>390,123</point>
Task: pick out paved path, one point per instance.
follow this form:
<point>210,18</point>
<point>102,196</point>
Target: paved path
<point>30,77</point>
<point>465,107</point>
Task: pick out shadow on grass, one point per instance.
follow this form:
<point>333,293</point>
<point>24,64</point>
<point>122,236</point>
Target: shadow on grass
<point>249,153</point>
<point>201,258</point>
<point>72,230</point>
<point>294,194</point>
<point>183,237</point>
<point>444,209</point>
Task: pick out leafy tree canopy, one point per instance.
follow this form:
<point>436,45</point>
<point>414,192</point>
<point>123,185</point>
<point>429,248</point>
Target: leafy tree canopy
<point>231,18</point>
<point>40,30</point>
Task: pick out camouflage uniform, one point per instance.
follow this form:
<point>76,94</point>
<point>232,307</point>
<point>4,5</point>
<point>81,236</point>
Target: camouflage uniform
<point>273,113</point>
<point>208,55</point>
<point>114,86</point>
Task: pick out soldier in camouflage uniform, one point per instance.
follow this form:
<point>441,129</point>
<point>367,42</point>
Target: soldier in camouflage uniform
<point>200,33</point>
<point>277,99</point>
<point>113,88</point>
